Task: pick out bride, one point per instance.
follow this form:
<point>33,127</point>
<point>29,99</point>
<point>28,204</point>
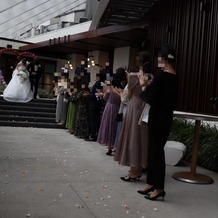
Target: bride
<point>18,89</point>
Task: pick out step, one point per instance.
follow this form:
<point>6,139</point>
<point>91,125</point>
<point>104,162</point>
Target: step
<point>31,124</point>
<point>38,100</point>
<point>27,108</point>
<point>27,113</point>
<point>44,100</point>
<point>29,104</point>
<point>27,119</point>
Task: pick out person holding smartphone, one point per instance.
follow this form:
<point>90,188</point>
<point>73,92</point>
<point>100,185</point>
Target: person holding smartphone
<point>162,97</point>
<point>133,141</point>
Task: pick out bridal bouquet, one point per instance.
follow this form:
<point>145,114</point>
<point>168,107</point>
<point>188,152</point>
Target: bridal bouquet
<point>22,76</point>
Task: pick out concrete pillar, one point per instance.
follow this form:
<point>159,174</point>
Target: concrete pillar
<point>100,58</point>
<point>121,58</point>
<point>125,57</point>
<point>75,60</point>
<point>33,31</point>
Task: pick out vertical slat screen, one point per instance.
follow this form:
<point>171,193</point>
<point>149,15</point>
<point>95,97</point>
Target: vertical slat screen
<point>191,27</point>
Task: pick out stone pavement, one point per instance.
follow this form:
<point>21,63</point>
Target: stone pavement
<point>48,173</point>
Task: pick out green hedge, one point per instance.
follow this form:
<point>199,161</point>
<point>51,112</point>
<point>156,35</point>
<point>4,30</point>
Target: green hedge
<point>183,131</point>
<point>44,94</point>
<point>2,88</point>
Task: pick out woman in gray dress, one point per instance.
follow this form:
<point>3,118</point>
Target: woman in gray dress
<point>132,148</point>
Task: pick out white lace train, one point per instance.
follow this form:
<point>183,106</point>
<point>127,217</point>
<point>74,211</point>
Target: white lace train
<point>18,89</point>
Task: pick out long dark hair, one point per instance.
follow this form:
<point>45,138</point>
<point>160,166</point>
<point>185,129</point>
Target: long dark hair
<point>120,78</point>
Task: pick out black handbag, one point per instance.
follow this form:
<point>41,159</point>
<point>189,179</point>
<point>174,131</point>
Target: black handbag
<point>147,94</point>
<point>119,117</point>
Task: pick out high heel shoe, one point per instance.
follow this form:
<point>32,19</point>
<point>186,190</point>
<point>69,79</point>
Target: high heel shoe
<point>109,153</point>
<point>145,192</point>
<point>130,179</point>
<point>161,194</point>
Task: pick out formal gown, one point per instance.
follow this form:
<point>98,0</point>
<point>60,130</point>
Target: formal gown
<point>122,110</point>
<point>18,89</point>
<point>108,127</point>
<point>133,142</point>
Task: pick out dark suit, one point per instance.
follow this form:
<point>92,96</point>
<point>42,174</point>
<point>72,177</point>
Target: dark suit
<point>94,111</point>
<point>35,70</point>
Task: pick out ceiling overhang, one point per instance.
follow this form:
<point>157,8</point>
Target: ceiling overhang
<point>116,24</point>
<point>104,39</point>
<point>114,12</point>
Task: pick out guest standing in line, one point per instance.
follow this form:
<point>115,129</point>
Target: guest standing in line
<point>81,129</point>
<point>72,112</point>
<point>108,127</point>
<point>132,146</point>
<point>95,106</point>
<point>122,113</point>
<point>162,97</point>
<point>61,107</point>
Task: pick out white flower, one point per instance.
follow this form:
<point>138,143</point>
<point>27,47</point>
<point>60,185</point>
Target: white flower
<point>22,76</point>
<point>170,56</point>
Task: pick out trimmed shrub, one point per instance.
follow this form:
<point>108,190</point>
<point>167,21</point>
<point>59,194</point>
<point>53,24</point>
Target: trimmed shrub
<point>183,131</point>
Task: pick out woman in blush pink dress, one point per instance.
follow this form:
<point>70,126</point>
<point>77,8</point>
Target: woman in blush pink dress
<point>132,146</point>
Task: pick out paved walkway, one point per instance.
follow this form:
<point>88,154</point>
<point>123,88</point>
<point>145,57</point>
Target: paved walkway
<point>49,173</point>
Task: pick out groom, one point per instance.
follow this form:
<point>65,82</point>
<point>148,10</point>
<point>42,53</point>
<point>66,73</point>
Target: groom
<point>35,70</point>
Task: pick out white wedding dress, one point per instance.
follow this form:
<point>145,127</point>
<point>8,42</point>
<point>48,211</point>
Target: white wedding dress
<point>18,89</point>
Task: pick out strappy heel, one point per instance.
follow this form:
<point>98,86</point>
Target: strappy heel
<point>161,194</point>
<point>130,179</point>
<point>145,192</point>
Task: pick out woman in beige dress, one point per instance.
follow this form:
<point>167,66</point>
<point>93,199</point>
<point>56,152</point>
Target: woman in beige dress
<point>133,142</point>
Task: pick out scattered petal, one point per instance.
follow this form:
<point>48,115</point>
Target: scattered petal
<point>125,206</point>
<point>127,211</point>
<point>40,189</point>
<point>109,196</point>
<point>155,209</point>
<point>79,206</point>
<point>60,195</point>
<point>105,186</point>
<point>28,214</point>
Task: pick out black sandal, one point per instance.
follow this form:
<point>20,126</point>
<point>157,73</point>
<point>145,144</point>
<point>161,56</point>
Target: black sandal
<point>130,179</point>
<point>145,192</point>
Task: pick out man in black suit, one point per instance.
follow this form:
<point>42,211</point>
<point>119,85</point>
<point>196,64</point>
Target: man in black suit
<point>35,69</point>
<point>95,106</point>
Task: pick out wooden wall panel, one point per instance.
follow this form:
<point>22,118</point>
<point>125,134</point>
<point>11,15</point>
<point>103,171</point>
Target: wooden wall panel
<point>191,27</point>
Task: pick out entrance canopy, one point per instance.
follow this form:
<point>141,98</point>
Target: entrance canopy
<point>104,39</point>
<point>114,24</point>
